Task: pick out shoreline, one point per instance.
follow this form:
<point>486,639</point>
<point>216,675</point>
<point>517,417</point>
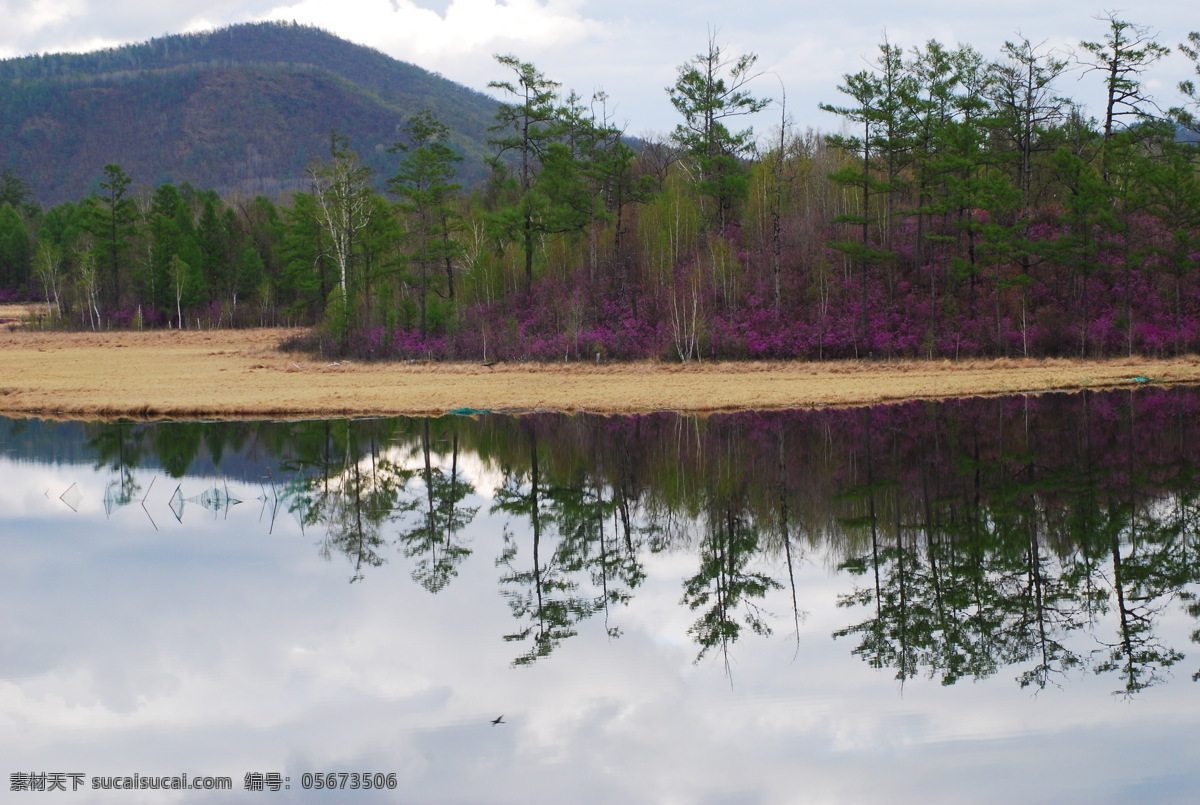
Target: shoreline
<point>239,374</point>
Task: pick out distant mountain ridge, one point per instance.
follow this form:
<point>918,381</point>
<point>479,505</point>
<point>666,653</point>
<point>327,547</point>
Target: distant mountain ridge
<point>243,108</point>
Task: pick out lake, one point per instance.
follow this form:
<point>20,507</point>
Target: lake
<point>984,600</point>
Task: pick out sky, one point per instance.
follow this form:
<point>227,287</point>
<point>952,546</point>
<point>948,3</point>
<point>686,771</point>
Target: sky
<point>632,49</point>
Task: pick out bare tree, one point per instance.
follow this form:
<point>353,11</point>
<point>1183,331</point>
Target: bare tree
<point>342,191</point>
<point>48,267</point>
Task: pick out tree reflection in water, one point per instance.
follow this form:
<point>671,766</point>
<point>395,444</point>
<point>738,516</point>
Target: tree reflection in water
<point>1038,534</point>
<point>441,516</point>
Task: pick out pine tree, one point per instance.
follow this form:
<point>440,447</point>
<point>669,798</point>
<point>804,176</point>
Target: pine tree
<point>709,91</point>
<point>424,183</point>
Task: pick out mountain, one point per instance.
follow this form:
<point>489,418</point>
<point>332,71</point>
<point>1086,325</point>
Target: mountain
<point>243,108</point>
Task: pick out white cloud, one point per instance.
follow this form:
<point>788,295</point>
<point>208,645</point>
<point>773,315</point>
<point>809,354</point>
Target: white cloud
<point>27,20</point>
<point>466,28</point>
<point>459,38</point>
<point>26,17</point>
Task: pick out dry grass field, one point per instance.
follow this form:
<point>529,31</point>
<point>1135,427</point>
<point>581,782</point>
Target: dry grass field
<point>242,373</point>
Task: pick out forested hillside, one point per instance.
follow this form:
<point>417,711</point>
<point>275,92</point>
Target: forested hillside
<point>967,207</point>
<point>243,109</point>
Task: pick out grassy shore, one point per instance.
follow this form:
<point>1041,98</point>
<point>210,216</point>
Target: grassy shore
<point>242,373</point>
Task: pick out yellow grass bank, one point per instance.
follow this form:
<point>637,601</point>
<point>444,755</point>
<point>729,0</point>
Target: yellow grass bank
<point>242,373</point>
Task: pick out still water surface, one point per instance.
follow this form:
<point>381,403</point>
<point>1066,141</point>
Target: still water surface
<point>984,600</point>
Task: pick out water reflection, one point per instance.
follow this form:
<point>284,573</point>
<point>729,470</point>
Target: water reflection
<point>794,595</point>
<point>1042,534</point>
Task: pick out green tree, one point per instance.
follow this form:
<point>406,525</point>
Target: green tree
<point>112,225</point>
<point>263,229</point>
<point>1025,125</point>
<point>528,144</point>
<point>307,274</point>
<point>214,260</point>
<point>710,91</point>
<point>871,111</point>
<point>377,256</point>
<point>1172,194</point>
<point>574,168</point>
<point>931,106</point>
<point>617,183</point>
<point>64,224</point>
<point>251,274</point>
<point>15,190</point>
<point>1027,111</point>
<point>1088,218</point>
<point>954,160</point>
<point>171,234</point>
<point>15,250</point>
<point>424,183</point>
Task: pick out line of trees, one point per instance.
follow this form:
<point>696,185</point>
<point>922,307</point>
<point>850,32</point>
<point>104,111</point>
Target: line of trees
<point>967,207</point>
